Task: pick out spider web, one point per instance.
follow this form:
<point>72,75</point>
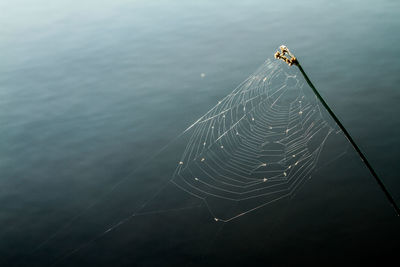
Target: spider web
<point>257,145</point>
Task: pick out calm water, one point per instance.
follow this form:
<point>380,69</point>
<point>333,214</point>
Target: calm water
<point>91,92</point>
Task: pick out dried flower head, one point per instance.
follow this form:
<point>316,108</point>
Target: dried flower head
<point>285,55</point>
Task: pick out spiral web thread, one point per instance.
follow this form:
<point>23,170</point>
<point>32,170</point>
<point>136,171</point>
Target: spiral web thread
<point>257,145</point>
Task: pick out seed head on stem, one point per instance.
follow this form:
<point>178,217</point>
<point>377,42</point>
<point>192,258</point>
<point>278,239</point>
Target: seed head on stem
<point>285,55</point>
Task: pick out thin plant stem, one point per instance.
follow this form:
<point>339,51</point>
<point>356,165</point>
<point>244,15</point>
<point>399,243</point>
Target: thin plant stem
<point>292,60</point>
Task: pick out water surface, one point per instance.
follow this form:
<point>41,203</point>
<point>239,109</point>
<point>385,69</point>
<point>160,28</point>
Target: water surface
<point>90,92</point>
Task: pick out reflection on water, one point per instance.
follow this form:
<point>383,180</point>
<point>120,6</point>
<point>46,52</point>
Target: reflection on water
<point>90,93</point>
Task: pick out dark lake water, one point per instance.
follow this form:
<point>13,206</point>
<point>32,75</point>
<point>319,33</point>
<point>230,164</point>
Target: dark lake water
<point>95,97</point>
